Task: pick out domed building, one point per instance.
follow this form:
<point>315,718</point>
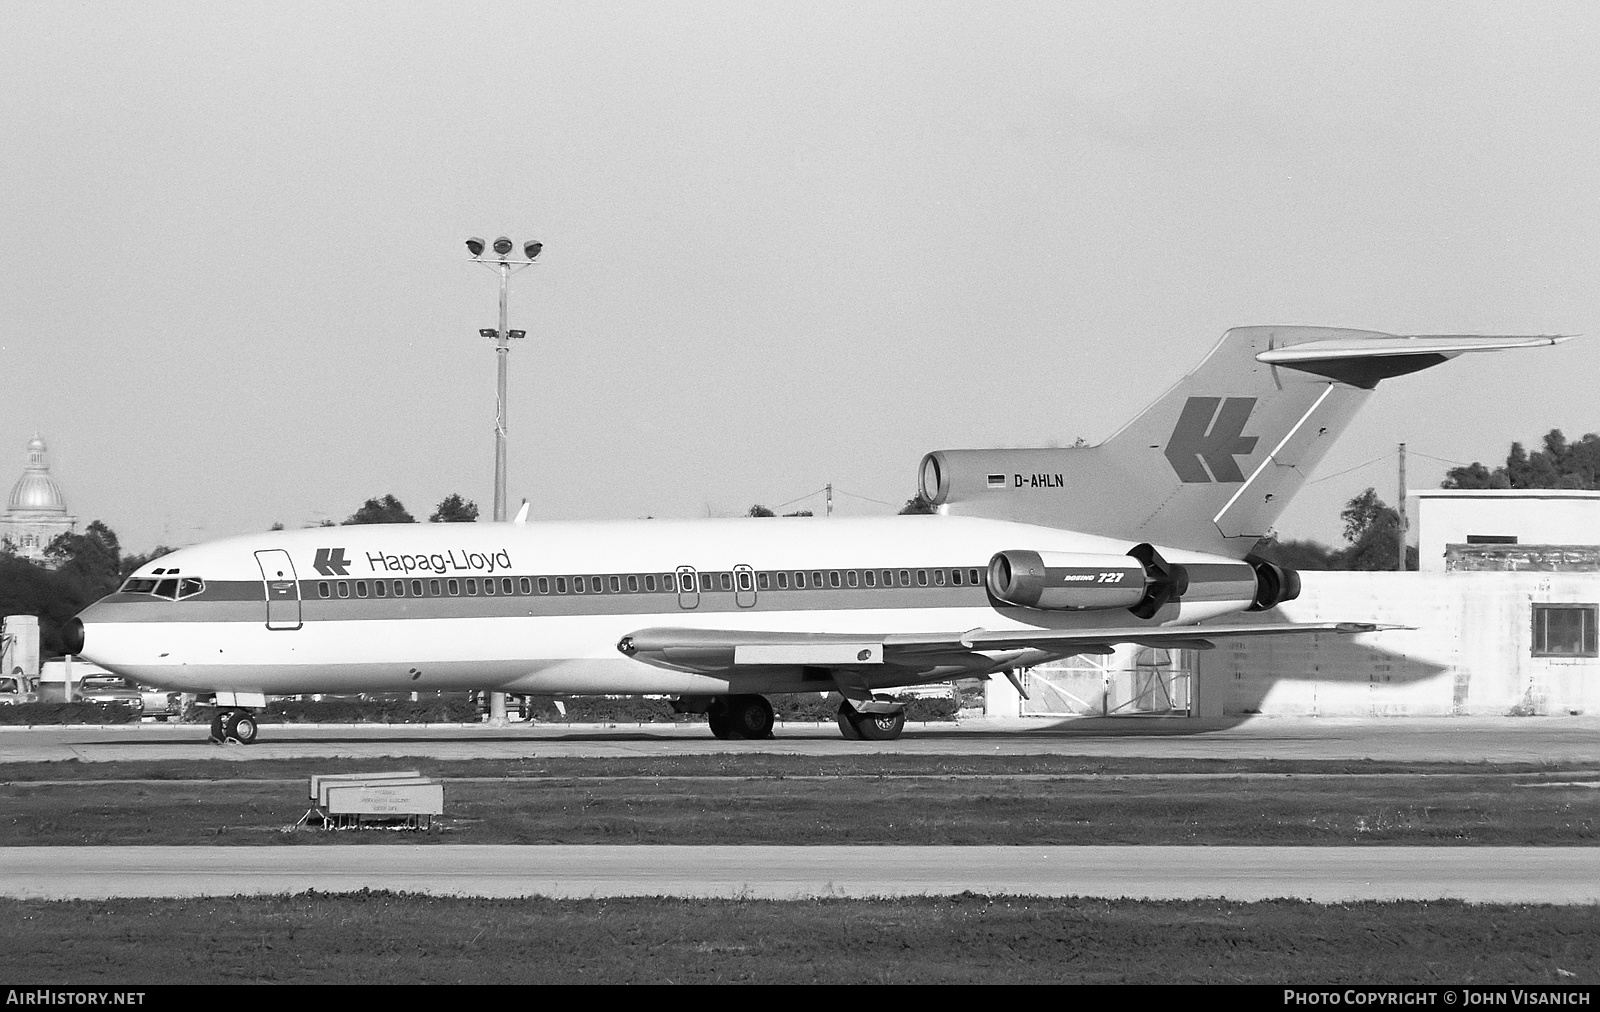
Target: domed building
<point>37,511</point>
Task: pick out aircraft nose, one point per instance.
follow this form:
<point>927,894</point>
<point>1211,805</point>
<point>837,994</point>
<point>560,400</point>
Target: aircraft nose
<point>72,636</point>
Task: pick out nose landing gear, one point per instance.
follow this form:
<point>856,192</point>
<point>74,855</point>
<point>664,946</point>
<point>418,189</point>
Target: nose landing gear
<point>238,725</point>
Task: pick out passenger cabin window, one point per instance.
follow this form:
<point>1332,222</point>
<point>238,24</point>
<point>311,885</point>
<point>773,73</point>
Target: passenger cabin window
<point>650,583</point>
<point>633,585</point>
<point>416,588</point>
<point>380,588</point>
<point>594,584</point>
<point>870,577</point>
<point>544,585</point>
<point>744,581</point>
<point>816,578</point>
<point>905,578</point>
<point>799,581</point>
<point>972,577</point>
<point>344,589</point>
<point>616,585</point>
<point>472,588</point>
<point>399,588</point>
<point>323,590</point>
<point>938,578</point>
<point>561,585</point>
<point>833,578</point>
<point>726,579</point>
<point>922,577</point>
<point>764,581</point>
<point>850,578</point>
<point>668,582</point>
<point>454,587</point>
<point>578,585</point>
<point>361,588</point>
<point>488,587</point>
<point>783,581</point>
<point>524,585</point>
<point>433,587</point>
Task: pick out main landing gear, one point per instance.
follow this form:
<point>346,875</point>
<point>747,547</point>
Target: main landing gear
<point>858,726</point>
<point>734,717</point>
<point>236,724</point>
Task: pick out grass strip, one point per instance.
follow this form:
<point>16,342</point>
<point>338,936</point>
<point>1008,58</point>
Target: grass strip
<point>971,810</point>
<point>387,938</point>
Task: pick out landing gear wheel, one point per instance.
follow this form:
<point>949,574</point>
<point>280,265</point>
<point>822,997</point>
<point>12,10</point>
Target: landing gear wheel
<point>244,729</point>
<point>721,725</point>
<point>847,722</point>
<point>750,717</point>
<point>881,726</point>
<point>857,726</point>
<point>217,734</point>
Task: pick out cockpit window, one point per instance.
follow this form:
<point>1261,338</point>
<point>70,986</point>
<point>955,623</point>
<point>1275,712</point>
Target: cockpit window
<point>172,588</point>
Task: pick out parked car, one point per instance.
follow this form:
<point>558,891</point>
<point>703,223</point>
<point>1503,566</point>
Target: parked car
<point>18,689</point>
<point>161,704</point>
<point>104,689</point>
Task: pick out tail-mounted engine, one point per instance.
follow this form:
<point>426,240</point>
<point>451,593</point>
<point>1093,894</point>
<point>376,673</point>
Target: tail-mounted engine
<point>1141,581</point>
<point>1274,584</point>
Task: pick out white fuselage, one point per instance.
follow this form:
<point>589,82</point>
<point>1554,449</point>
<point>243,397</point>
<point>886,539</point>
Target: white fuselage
<point>404,607</point>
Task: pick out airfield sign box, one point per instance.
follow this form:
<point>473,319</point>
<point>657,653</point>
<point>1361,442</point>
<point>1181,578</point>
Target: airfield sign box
<point>394,798</point>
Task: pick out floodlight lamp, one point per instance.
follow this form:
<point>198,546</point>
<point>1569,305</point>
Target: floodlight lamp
<point>475,246</point>
<point>502,246</point>
<point>488,332</point>
<point>514,334</point>
<point>531,249</point>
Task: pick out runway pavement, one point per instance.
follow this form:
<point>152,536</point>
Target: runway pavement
<point>1560,875</point>
<point>1564,740</point>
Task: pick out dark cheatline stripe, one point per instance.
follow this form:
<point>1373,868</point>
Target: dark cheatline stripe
<point>244,600</point>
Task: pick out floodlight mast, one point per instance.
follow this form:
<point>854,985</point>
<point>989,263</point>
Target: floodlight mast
<point>502,347</point>
<point>505,267</point>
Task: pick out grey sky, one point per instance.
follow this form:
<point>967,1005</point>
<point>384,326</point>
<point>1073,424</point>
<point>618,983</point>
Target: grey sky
<point>786,244</point>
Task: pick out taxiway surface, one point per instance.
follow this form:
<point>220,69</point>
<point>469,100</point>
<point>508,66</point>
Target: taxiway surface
<point>1564,740</point>
<point>1564,875</point>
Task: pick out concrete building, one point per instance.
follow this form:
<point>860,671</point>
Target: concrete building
<point>1501,517</point>
<point>37,511</point>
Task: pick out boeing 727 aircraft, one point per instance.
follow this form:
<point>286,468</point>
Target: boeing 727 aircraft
<point>1036,555</point>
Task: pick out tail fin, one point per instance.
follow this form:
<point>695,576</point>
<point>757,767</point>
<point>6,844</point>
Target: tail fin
<point>1213,462</point>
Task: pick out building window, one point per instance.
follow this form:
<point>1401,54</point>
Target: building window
<point>1564,630</point>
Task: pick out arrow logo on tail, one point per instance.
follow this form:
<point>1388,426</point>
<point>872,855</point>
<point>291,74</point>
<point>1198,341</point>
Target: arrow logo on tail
<point>1215,436</point>
<point>331,562</point>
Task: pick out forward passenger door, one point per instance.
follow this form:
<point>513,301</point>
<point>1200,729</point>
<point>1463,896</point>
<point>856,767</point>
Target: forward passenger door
<point>282,587</point>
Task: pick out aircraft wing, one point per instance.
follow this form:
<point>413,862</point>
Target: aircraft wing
<point>928,655</point>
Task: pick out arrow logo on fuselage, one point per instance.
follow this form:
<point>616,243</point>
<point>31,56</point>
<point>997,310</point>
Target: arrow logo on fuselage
<point>1213,434</point>
<point>331,562</point>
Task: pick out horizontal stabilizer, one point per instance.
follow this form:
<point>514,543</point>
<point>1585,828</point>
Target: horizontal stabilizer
<point>1363,358</point>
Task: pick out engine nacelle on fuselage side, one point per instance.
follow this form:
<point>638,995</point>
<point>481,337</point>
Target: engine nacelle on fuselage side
<point>1142,581</point>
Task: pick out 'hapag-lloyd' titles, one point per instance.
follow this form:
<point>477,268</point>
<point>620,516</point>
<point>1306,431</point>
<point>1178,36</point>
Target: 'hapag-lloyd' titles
<point>446,562</point>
